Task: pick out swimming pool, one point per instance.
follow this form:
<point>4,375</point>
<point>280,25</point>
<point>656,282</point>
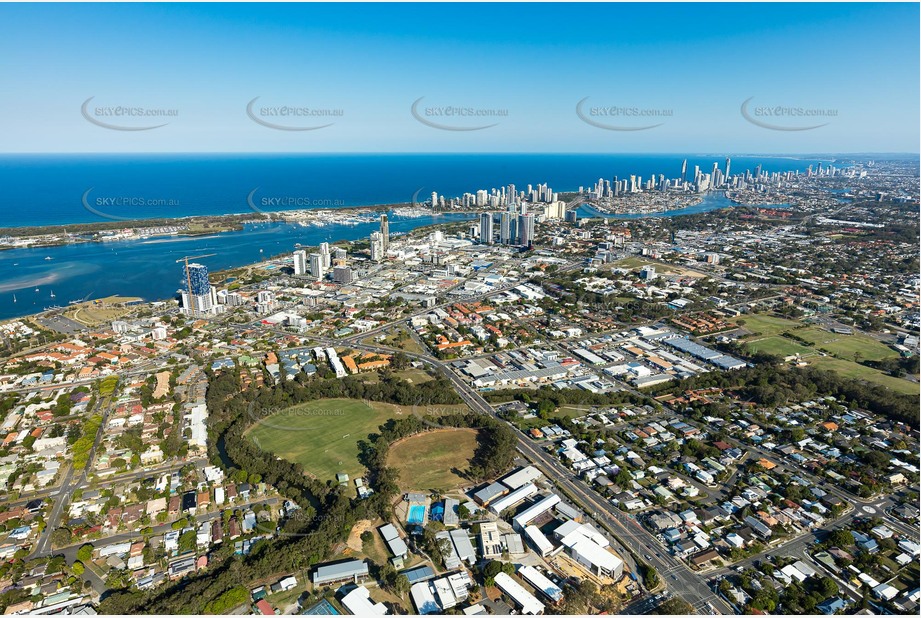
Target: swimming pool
<point>416,514</point>
<point>437,512</point>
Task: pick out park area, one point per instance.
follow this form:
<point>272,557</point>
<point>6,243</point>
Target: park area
<point>102,311</point>
<point>323,435</point>
<point>843,352</point>
<point>637,262</point>
<point>432,461</point>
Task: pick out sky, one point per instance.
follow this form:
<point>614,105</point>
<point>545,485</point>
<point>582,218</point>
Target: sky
<point>753,78</point>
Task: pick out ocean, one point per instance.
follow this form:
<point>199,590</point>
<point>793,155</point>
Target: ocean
<point>53,190</point>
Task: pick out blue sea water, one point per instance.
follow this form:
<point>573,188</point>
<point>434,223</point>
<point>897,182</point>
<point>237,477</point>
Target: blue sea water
<point>52,189</point>
<point>147,268</point>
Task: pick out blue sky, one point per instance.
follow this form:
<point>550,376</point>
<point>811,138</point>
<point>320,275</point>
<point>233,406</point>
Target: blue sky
<point>696,62</point>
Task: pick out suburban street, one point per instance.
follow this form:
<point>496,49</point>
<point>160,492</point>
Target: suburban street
<point>628,532</point>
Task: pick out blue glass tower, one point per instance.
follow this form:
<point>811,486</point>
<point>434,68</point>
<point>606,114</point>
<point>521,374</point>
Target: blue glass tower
<point>197,278</point>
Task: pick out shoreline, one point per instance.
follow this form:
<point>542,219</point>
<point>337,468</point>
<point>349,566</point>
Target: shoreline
<point>222,273</point>
<point>20,231</point>
<point>191,226</point>
<point>36,237</point>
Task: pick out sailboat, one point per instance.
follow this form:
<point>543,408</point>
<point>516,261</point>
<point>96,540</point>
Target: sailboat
<point>52,293</point>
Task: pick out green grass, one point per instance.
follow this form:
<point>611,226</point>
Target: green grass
<point>639,262</point>
<point>431,461</point>
<point>564,412</point>
<point>850,369</point>
<point>766,325</point>
<point>845,346</point>
<point>779,346</point>
<point>107,386</point>
<point>572,411</point>
<point>413,376</point>
<point>841,348</point>
<point>398,338</point>
<point>323,435</point>
<point>375,550</point>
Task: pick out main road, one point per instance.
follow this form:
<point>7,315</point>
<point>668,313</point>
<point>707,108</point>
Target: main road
<point>629,532</point>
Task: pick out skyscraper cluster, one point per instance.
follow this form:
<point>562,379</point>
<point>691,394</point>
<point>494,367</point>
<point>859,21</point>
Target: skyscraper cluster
<point>497,198</point>
<point>317,265</point>
<point>380,240</point>
<point>699,182</point>
<point>516,224</point>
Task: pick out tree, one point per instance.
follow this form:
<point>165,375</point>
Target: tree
<point>85,553</point>
<point>841,538</point>
<point>674,606</point>
<point>77,568</point>
<point>545,408</point>
<point>61,537</point>
<point>399,583</point>
<point>187,541</point>
<point>828,587</point>
<point>651,578</point>
<point>623,478</point>
<point>492,568</point>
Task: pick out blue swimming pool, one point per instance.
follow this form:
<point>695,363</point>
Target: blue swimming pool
<point>416,514</point>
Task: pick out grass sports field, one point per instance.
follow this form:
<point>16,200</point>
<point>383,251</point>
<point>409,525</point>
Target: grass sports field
<point>850,369</point>
<point>766,325</point>
<point>323,435</point>
<point>779,346</point>
<point>429,461</point>
<point>840,348</point>
<point>845,346</point>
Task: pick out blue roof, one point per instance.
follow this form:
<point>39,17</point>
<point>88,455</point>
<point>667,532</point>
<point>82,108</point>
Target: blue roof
<point>419,573</point>
<point>831,606</point>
